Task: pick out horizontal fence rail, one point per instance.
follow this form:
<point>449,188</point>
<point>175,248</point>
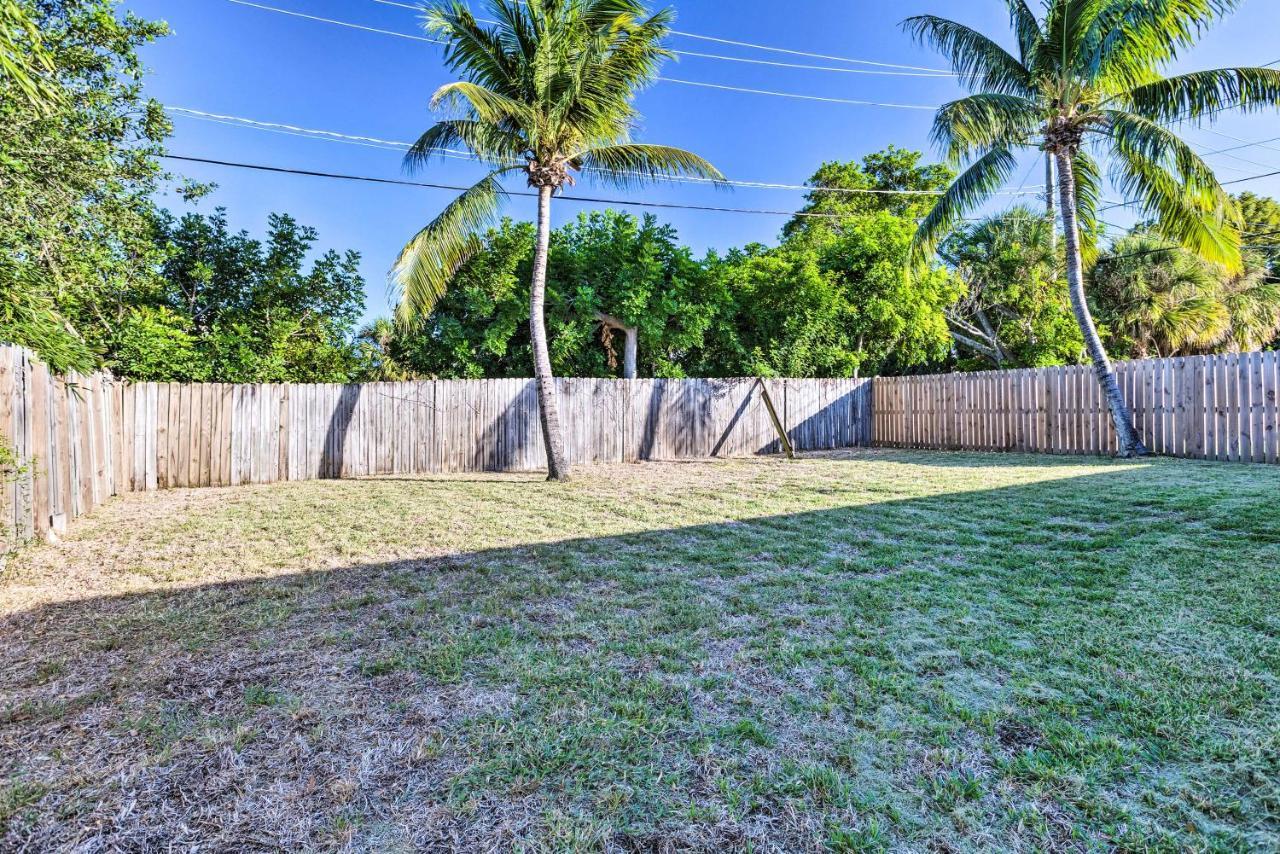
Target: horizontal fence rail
<point>84,439</point>
<point>1201,407</point>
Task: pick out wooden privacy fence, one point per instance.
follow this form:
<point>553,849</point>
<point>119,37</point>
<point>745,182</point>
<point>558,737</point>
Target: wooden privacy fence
<point>82,439</point>
<point>1203,407</point>
<point>87,438</point>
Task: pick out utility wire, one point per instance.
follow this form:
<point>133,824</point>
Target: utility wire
<point>776,64</point>
<point>379,31</point>
<point>456,188</point>
<point>582,199</point>
<point>941,72</point>
<point>374,142</point>
<point>695,54</point>
<point>928,107</point>
<point>335,22</point>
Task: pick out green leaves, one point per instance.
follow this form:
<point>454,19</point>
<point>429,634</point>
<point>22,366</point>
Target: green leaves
<point>1176,187</point>
<point>1204,93</point>
<point>25,63</point>
<point>630,164</point>
<point>549,85</point>
<point>428,262</point>
<point>981,122</point>
<point>980,62</point>
<point>974,186</point>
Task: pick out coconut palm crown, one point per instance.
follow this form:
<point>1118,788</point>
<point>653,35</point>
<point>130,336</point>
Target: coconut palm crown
<point>546,91</point>
<point>1084,85</point>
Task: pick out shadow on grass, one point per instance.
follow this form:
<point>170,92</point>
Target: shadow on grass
<point>1088,658</point>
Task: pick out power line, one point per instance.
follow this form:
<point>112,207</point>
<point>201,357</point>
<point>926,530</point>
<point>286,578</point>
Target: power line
<point>695,54</point>
<point>1265,143</point>
<point>666,80</point>
<point>776,64</point>
<point>797,96</point>
<point>457,188</point>
<point>336,22</point>
<point>941,72</point>
<point>375,142</point>
<point>1251,178</point>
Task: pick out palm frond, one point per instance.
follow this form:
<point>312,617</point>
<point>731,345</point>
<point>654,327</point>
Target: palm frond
<point>631,164</point>
<point>481,103</point>
<point>1197,217</point>
<point>488,143</point>
<point>974,186</point>
<point>1202,94</point>
<point>1088,197</point>
<point>1026,28</point>
<point>1130,39</point>
<point>429,261</point>
<point>979,61</point>
<point>483,54</point>
<point>1141,138</point>
<point>1064,51</point>
<point>985,121</point>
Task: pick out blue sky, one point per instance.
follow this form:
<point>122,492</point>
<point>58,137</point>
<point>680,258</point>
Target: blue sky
<point>236,60</point>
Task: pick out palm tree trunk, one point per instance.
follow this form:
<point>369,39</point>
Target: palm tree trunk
<point>548,399</point>
<point>1129,441</point>
<point>1048,200</point>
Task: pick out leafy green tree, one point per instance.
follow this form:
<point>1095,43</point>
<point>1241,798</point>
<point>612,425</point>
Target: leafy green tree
<point>1089,70</point>
<point>834,303</point>
<point>1160,301</point>
<point>546,91</point>
<point>230,308</point>
<point>77,178</point>
<point>633,272</point>
<point>604,263</point>
<point>1015,312</point>
<point>157,344</point>
<point>835,298</point>
<point>479,327</point>
<point>892,180</point>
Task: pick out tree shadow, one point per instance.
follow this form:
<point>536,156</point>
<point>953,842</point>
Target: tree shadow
<point>334,461</point>
<point>460,701</point>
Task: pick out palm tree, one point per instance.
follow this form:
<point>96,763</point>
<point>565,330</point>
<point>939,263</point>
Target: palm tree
<point>25,63</point>
<point>1159,300</point>
<point>1088,71</point>
<point>546,91</point>
<point>378,343</point>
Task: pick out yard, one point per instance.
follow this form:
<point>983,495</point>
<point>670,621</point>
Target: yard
<point>857,651</point>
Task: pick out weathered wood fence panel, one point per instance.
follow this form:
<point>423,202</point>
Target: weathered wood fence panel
<point>66,436</point>
<point>207,435</point>
<point>84,439</point>
<point>1204,407</point>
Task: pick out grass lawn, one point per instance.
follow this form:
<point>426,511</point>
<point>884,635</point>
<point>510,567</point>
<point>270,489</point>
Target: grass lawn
<point>861,651</point>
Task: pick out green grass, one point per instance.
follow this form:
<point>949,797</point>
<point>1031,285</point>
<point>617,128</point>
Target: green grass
<point>861,652</point>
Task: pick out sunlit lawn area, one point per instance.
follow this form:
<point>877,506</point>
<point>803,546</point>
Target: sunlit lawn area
<point>861,651</point>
